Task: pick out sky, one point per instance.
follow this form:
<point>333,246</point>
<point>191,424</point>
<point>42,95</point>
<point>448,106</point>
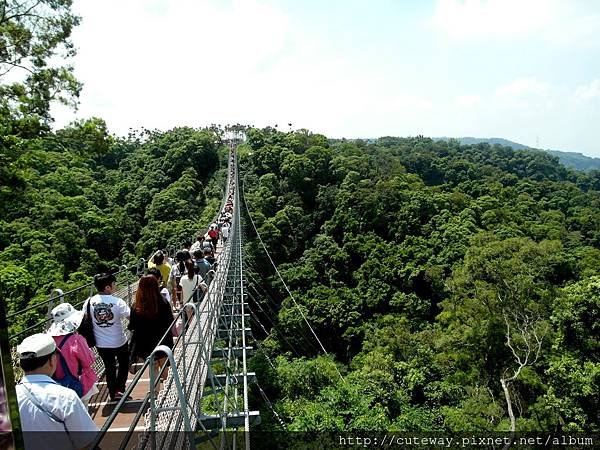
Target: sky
<point>524,70</point>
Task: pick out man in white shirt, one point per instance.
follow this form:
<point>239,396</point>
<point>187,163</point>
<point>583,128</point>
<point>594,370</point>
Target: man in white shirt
<point>44,405</point>
<point>111,342</point>
<point>225,232</point>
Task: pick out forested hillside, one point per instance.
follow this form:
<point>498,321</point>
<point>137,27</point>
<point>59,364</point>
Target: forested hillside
<point>578,161</point>
<point>446,282</point>
<point>79,201</point>
<point>574,160</point>
<point>455,288</point>
<point>450,285</point>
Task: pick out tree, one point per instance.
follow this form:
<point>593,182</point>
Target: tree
<point>88,138</point>
<point>504,289</point>
<point>32,34</point>
<point>525,344</point>
<point>574,366</point>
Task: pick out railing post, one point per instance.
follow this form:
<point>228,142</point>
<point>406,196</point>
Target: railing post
<point>154,410</point>
<point>210,275</point>
<point>185,308</point>
<point>140,267</point>
<point>61,296</point>
<point>125,268</point>
<point>92,289</point>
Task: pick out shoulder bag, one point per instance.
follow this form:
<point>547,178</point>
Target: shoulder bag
<point>33,399</point>
<point>86,329</point>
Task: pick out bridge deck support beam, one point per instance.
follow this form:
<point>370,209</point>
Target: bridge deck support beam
<point>235,420</point>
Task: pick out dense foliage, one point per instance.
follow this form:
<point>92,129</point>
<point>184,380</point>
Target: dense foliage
<point>455,288</point>
<point>35,47</point>
<point>449,284</point>
<point>575,160</point>
<point>81,201</point>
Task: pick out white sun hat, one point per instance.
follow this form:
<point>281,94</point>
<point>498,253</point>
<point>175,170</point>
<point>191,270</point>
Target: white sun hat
<point>66,320</point>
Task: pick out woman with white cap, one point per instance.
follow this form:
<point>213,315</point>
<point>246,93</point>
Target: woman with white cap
<point>74,349</point>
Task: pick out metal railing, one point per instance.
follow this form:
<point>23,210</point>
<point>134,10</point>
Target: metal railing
<point>181,315</point>
<point>179,407</point>
<point>75,296</point>
<point>128,286</point>
<point>175,413</point>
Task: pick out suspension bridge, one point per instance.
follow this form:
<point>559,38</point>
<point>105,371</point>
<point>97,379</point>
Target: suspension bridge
<point>203,401</point>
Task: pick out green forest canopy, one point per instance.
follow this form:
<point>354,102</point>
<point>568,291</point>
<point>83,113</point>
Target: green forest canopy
<point>450,284</point>
<point>87,202</point>
<point>414,260</point>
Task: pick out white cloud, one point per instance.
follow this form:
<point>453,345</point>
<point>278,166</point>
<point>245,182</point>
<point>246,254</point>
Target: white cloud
<point>526,95</point>
<point>579,28</point>
<point>199,62</point>
<point>559,22</point>
<point>493,18</point>
<point>160,63</point>
<point>467,101</point>
<point>163,64</point>
<point>588,91</point>
<point>401,102</point>
<point>523,87</point>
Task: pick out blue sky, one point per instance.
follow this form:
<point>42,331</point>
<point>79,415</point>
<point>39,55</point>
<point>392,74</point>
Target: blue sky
<point>522,70</point>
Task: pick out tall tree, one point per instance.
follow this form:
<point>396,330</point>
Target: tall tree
<point>34,35</point>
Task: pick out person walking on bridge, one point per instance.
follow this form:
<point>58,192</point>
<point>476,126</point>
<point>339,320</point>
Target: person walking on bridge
<point>52,416</point>
<point>78,358</point>
<point>111,342</point>
<point>158,261</point>
<point>225,232</point>
<point>150,322</point>
<point>208,245</point>
<point>161,284</point>
<point>197,245</point>
<point>213,234</point>
<point>202,265</point>
<point>177,271</point>
<point>191,282</point>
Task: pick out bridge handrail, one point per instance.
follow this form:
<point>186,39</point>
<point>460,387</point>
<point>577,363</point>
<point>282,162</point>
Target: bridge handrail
<point>61,295</point>
<point>57,294</point>
<point>182,314</point>
<point>122,268</point>
<point>178,385</point>
<point>137,377</point>
<point>13,337</point>
<point>132,384</point>
<point>209,315</point>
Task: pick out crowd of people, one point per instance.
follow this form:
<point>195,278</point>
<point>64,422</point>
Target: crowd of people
<point>59,379</point>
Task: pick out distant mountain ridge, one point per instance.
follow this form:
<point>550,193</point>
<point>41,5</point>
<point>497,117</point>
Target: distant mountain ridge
<point>575,160</point>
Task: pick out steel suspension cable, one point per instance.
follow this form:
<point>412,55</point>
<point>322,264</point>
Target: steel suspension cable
<point>284,283</point>
<point>267,296</point>
<point>298,354</point>
<point>270,405</point>
<point>261,347</point>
